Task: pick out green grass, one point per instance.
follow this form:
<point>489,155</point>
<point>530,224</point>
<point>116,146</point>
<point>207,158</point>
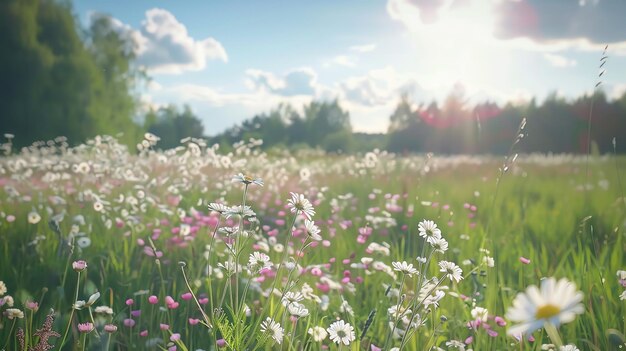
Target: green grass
<point>540,212</point>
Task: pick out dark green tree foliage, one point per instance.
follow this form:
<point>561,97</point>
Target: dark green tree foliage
<point>54,83</point>
<point>323,124</point>
<point>556,125</point>
<point>171,125</point>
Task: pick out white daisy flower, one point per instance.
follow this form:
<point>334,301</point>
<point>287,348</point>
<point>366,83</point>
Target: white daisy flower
<point>455,344</point>
<point>433,300</point>
<point>246,211</point>
<point>219,208</point>
<point>318,333</point>
<point>439,245</point>
<point>273,329</point>
<point>34,217</point>
<point>298,203</point>
<point>341,332</point>
<point>246,179</point>
<point>259,261</point>
<point>404,268</point>
<point>312,230</point>
<point>555,302</point>
<point>298,310</point>
<point>429,231</point>
<point>291,297</point>
<point>479,313</point>
<point>453,271</point>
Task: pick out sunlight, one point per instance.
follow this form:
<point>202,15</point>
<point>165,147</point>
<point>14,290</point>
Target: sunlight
<point>459,46</point>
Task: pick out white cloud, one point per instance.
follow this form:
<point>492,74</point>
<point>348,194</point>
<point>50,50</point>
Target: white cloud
<point>302,81</point>
<point>163,45</point>
<point>343,60</point>
<point>363,48</point>
<point>559,61</point>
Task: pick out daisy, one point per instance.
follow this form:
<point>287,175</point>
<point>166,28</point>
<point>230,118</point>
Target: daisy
<point>554,303</point>
<point>274,329</point>
<point>245,211</point>
<point>341,332</point>
<point>429,231</point>
<point>312,230</point>
<point>479,313</point>
<point>453,271</point>
<point>434,299</point>
<point>219,208</point>
<point>291,297</point>
<point>247,180</point>
<point>404,268</point>
<point>259,261</point>
<point>318,333</point>
<point>298,310</point>
<point>298,203</point>
<point>456,344</point>
<point>34,217</point>
<point>439,245</point>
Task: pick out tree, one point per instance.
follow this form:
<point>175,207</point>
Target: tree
<point>53,83</point>
<point>172,125</point>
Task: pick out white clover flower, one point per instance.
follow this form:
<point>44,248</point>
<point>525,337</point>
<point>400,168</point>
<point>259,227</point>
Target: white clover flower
<point>318,333</point>
<point>12,313</point>
<point>3,288</point>
<point>453,272</point>
<point>104,310</point>
<point>488,261</point>
<point>274,329</point>
<point>556,302</point>
<point>341,332</point>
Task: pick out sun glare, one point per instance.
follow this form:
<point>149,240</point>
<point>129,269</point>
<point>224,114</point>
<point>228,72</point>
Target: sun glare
<point>459,46</point>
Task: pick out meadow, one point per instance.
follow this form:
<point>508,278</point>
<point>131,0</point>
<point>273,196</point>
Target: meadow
<point>195,248</point>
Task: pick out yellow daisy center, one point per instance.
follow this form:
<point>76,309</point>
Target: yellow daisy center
<point>547,311</point>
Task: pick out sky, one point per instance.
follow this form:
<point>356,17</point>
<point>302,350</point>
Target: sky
<point>231,60</point>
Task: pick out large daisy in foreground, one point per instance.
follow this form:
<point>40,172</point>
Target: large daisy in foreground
<point>555,303</point>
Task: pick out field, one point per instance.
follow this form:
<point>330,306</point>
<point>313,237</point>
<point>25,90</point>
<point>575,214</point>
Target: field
<point>170,264</point>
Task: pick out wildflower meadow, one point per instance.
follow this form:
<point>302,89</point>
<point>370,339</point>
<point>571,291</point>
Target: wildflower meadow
<point>195,248</point>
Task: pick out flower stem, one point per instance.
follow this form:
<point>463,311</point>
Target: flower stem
<point>69,323</point>
<point>553,333</point>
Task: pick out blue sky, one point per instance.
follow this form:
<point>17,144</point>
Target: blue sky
<point>230,60</point>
